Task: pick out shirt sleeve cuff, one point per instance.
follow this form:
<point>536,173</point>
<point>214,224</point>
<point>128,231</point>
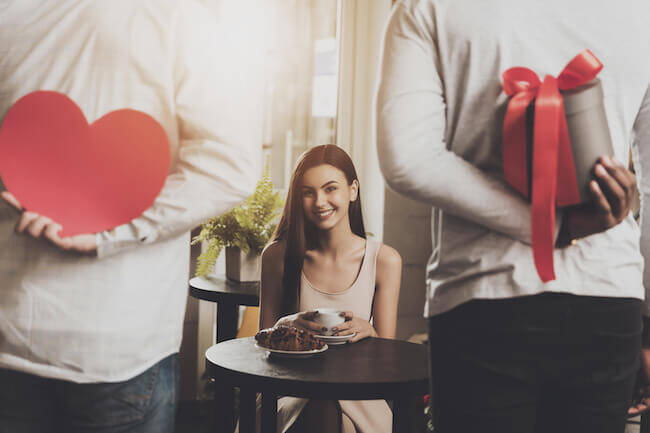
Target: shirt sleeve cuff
<point>121,238</point>
<point>105,248</point>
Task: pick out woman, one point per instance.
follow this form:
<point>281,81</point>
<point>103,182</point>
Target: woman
<point>320,257</point>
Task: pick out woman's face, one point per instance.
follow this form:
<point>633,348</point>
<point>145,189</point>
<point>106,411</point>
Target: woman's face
<point>326,196</point>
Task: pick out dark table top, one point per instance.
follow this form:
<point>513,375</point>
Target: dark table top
<point>369,369</point>
<point>220,289</point>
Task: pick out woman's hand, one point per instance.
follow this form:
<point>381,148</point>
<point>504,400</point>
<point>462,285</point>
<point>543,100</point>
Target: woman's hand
<point>303,320</point>
<point>352,324</point>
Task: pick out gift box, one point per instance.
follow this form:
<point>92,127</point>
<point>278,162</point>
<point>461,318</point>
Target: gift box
<point>588,130</point>
<point>554,132</point>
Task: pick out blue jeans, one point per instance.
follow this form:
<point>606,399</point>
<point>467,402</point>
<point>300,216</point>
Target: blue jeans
<point>143,404</point>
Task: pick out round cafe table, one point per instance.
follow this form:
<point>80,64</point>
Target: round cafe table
<point>228,295</point>
<point>374,368</point>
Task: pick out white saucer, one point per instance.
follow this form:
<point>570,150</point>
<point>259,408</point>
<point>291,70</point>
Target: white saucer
<point>334,340</point>
<point>293,353</point>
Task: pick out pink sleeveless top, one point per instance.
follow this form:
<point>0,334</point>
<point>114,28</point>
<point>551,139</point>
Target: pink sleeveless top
<point>357,298</point>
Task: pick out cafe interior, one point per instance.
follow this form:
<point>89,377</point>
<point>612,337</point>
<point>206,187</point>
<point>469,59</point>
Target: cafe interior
<point>320,62</point>
<point>322,59</point>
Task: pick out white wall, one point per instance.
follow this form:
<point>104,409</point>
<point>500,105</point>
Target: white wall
<point>395,220</point>
<point>407,228</point>
<point>362,24</point>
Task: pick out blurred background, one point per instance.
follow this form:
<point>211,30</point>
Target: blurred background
<point>319,60</point>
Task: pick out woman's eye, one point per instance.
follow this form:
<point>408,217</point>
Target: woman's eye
<point>306,193</point>
<point>330,189</point>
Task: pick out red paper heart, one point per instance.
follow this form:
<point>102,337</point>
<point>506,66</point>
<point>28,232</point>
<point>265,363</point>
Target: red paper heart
<point>88,178</point>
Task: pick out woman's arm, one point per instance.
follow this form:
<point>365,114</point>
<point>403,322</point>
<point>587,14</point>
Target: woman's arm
<point>384,308</point>
<point>271,293</point>
<point>271,284</point>
<point>388,279</point>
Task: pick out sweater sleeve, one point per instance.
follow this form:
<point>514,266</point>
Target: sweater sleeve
<point>411,121</point>
<point>217,107</point>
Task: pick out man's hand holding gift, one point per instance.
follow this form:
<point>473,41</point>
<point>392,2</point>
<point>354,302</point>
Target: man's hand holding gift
<point>42,227</point>
<point>613,193</point>
<point>554,131</point>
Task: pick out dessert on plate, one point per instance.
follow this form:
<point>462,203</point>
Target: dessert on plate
<point>288,338</point>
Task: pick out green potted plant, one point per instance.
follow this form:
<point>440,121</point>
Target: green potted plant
<point>243,231</point>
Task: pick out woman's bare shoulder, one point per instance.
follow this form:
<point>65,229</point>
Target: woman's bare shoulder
<point>388,257</point>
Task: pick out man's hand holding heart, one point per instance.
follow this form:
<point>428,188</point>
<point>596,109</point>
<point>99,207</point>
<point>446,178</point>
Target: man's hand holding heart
<point>42,227</point>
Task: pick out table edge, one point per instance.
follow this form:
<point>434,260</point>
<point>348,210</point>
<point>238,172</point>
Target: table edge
<point>248,299</point>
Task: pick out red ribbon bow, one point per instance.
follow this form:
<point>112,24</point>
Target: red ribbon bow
<point>552,156</point>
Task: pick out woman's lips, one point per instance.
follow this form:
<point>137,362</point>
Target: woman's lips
<point>324,214</point>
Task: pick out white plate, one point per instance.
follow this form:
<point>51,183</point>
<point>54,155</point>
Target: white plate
<point>293,353</point>
<point>336,339</point>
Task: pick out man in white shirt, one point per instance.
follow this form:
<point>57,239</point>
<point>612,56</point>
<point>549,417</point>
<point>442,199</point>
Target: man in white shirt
<point>90,326</point>
<point>509,351</point>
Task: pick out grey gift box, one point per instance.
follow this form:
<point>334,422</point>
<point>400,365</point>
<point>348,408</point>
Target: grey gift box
<point>588,132</point>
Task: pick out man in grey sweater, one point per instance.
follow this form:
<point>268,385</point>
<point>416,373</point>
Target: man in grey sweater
<point>510,352</point>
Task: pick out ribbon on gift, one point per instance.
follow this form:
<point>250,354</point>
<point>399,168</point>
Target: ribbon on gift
<point>552,159</point>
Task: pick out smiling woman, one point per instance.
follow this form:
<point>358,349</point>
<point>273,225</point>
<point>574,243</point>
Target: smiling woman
<point>320,65</point>
<point>326,195</point>
<point>321,258</point>
<point>301,221</point>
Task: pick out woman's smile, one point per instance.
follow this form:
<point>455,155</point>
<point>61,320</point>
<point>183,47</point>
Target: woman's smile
<point>323,214</point>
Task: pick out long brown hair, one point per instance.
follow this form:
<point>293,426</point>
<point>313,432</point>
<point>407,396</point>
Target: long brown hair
<point>298,233</point>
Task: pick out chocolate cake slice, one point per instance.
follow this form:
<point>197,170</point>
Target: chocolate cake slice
<point>288,338</point>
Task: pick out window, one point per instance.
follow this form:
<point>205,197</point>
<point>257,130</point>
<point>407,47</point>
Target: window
<point>321,59</point>
<point>301,92</point>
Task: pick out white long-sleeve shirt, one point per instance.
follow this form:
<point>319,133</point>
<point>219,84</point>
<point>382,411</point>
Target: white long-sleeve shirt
<point>108,318</point>
<point>440,109</point>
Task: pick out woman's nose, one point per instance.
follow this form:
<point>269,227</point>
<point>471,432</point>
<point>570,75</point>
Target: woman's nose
<point>320,199</point>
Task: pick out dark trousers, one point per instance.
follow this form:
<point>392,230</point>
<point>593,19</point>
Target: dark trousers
<point>143,404</point>
<point>548,363</point>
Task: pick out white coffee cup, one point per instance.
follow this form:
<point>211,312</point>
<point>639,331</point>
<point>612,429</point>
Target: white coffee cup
<point>328,317</point>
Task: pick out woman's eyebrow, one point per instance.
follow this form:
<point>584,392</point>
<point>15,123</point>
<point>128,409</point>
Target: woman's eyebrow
<point>322,186</point>
<point>327,183</point>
